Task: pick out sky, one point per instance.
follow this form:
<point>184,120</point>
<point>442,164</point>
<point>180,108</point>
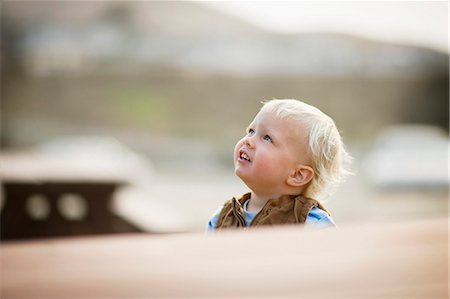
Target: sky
<point>418,23</point>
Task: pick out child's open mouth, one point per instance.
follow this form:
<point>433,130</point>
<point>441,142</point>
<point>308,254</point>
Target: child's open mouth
<point>244,156</point>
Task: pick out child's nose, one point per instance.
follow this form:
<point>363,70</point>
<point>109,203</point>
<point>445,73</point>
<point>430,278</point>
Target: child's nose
<point>248,141</point>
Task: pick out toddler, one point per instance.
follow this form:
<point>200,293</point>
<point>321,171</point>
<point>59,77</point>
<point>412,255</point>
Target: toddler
<point>291,156</point>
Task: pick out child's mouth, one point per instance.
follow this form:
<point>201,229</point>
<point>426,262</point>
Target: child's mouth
<point>244,156</point>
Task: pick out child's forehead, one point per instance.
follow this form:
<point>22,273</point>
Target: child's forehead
<point>271,121</point>
<point>268,115</point>
<point>265,114</point>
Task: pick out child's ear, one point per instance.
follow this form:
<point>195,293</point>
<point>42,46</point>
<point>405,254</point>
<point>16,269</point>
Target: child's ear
<point>301,176</point>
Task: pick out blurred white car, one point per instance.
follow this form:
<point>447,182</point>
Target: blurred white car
<point>409,156</point>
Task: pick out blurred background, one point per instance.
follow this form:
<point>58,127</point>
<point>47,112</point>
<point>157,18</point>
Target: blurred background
<point>122,116</point>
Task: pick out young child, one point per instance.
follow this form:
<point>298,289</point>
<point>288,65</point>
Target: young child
<point>291,156</point>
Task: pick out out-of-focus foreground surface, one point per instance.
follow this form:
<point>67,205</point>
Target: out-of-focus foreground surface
<point>389,260</point>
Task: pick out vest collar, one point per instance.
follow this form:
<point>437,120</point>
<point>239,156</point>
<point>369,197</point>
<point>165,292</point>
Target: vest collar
<point>238,203</point>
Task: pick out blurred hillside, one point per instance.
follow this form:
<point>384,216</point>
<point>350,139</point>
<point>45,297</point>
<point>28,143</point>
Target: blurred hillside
<point>150,73</point>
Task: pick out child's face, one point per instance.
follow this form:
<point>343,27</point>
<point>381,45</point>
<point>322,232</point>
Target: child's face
<point>269,152</point>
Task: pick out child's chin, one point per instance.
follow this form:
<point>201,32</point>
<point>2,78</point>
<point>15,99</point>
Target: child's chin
<point>241,175</point>
<point>238,173</point>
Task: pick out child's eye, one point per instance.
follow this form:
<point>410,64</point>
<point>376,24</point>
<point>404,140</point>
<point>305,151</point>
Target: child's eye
<point>267,138</point>
<point>250,131</point>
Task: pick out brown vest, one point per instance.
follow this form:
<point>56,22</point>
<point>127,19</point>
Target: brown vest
<point>286,209</point>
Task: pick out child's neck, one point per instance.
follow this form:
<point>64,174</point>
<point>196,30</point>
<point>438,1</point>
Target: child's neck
<point>257,202</point>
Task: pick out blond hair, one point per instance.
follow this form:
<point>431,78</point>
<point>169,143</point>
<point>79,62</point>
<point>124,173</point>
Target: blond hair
<point>328,154</point>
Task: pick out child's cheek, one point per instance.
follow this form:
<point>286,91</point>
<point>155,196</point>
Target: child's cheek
<point>264,162</point>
